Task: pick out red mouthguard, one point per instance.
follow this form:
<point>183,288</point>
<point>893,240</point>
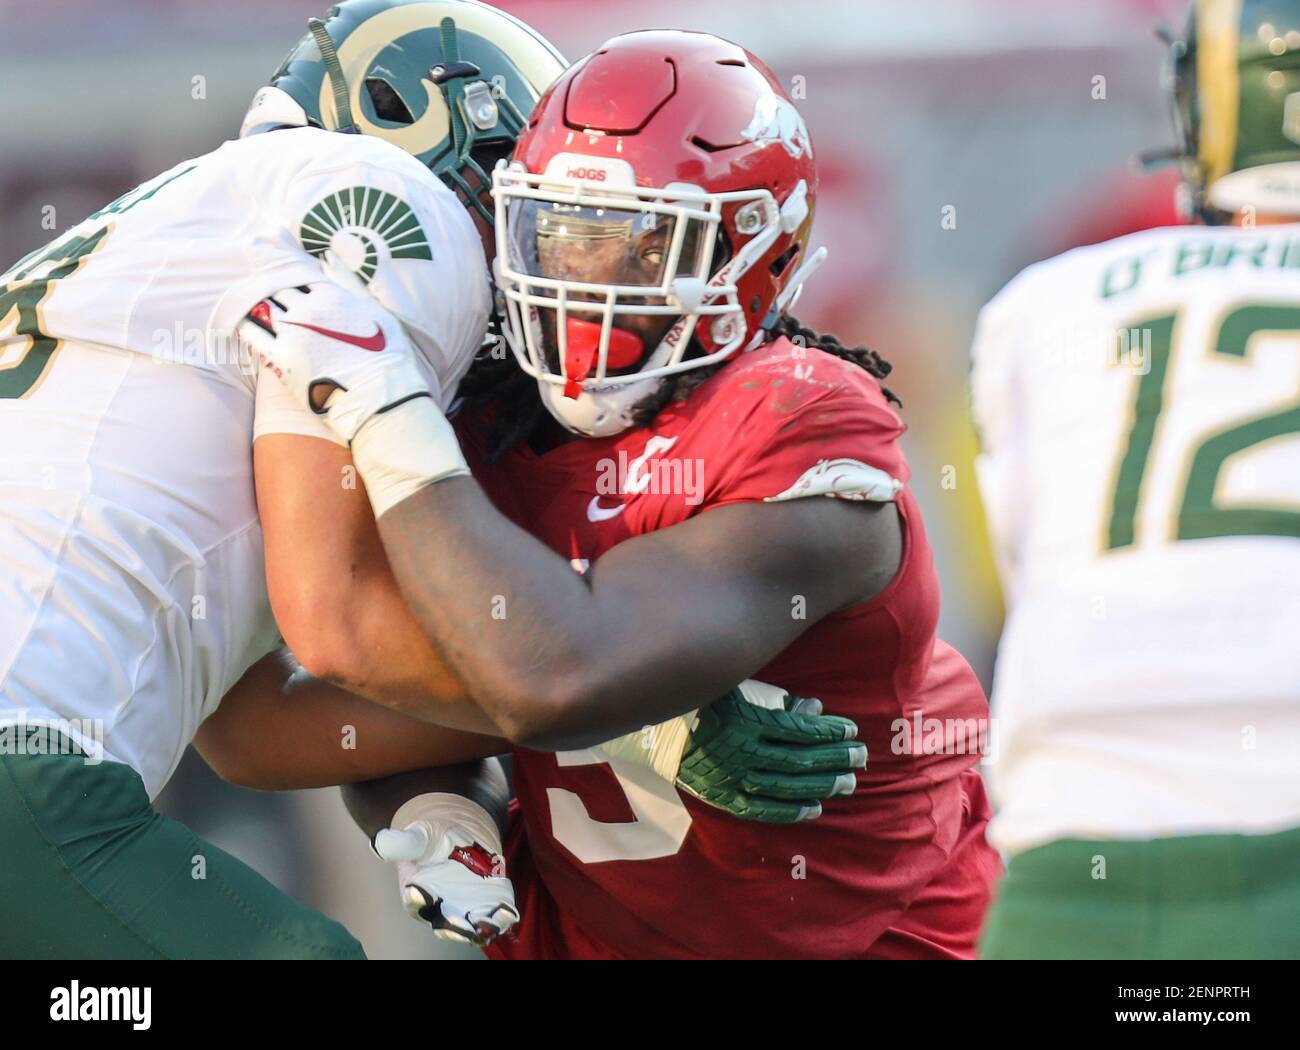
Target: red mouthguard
<point>625,349</point>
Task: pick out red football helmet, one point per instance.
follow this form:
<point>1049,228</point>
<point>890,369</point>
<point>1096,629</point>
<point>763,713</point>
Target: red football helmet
<point>663,189</point>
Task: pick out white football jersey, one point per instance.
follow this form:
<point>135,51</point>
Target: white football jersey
<point>1139,409</point>
<point>132,587</point>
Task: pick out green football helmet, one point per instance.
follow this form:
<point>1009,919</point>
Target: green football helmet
<point>1236,91</point>
<point>450,81</point>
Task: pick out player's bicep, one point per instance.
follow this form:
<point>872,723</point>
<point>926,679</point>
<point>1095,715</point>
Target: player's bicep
<point>717,597</point>
<point>332,591</point>
<point>314,514</point>
<point>317,527</point>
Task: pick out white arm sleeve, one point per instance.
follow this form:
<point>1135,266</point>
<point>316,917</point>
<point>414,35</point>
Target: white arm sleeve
<point>276,412</point>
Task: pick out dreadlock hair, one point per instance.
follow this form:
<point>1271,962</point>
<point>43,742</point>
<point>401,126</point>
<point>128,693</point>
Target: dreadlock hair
<point>519,412</point>
<point>862,356</point>
<point>495,379</point>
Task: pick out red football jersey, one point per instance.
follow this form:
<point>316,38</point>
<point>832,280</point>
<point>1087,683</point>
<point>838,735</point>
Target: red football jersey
<point>611,861</point>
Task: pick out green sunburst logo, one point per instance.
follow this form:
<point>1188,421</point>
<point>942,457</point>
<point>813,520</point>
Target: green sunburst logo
<point>362,226</point>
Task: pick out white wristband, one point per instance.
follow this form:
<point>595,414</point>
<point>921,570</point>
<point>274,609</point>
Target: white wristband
<point>659,747</point>
<point>400,451</point>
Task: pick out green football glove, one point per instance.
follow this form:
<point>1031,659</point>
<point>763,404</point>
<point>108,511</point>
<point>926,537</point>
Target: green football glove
<point>761,754</point>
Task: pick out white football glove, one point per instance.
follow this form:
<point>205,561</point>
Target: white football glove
<point>341,353</point>
<point>450,871</point>
<point>345,357</point>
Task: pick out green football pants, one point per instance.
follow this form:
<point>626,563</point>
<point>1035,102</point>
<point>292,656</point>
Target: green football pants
<point>1192,897</point>
<point>89,870</point>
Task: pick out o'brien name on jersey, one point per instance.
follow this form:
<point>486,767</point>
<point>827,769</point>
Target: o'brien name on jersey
<point>1189,254</point>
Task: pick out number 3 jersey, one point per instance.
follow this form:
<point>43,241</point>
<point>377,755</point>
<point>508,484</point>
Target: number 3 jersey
<point>132,588</point>
<point>1139,408</point>
<point>611,860</point>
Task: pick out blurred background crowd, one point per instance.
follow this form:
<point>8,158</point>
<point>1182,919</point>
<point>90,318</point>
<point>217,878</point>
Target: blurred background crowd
<point>957,140</point>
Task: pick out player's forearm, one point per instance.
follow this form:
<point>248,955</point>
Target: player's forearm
<point>333,596</point>
<point>372,803</point>
<point>280,729</point>
<point>381,653</point>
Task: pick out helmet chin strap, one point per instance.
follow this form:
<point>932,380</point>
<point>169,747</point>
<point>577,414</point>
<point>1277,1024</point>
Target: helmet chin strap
<point>334,72</point>
<point>603,413</point>
<point>608,411</point>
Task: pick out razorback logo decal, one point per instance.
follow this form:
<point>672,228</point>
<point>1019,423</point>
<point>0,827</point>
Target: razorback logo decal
<point>776,120</point>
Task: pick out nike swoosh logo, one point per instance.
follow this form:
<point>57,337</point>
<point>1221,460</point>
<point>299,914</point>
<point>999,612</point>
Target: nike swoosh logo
<point>595,512</point>
<point>365,342</point>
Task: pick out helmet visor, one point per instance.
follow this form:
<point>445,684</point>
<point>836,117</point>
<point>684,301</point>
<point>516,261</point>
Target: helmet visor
<point>611,272</point>
<point>599,247</point>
